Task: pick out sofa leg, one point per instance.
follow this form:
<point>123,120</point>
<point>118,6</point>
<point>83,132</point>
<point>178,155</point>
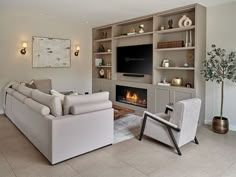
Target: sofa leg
<point>196,140</point>
<point>143,127</point>
<point>174,141</point>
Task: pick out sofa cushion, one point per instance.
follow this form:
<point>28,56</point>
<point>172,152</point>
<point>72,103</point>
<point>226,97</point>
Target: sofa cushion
<point>71,100</point>
<point>59,95</point>
<point>53,102</point>
<point>15,85</point>
<point>31,85</point>
<point>19,96</point>
<point>25,90</point>
<point>37,107</point>
<point>90,107</point>
<point>10,91</point>
<point>44,85</point>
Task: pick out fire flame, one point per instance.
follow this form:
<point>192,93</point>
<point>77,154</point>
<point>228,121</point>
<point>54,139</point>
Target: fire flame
<point>131,97</point>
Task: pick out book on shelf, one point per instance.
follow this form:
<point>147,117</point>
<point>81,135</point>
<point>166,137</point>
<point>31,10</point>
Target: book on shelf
<point>163,84</point>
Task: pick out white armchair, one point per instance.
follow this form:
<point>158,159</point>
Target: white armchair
<point>175,129</point>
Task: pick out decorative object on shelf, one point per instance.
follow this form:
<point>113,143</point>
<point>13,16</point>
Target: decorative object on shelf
<point>170,44</point>
<point>162,27</point>
<point>184,21</point>
<point>109,74</point>
<point>101,73</point>
<point>104,34</point>
<point>186,39</point>
<point>108,50</point>
<point>186,65</point>
<point>24,46</point>
<point>141,28</point>
<point>165,63</point>
<point>188,85</point>
<point>219,67</point>
<point>101,48</point>
<point>98,62</point>
<point>132,31</point>
<point>51,52</point>
<point>170,23</point>
<point>176,81</point>
<point>190,39</point>
<point>190,59</point>
<point>77,50</point>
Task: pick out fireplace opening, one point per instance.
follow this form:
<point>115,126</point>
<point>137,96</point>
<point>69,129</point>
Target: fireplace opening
<point>131,95</point>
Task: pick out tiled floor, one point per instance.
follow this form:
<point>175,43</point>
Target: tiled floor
<point>214,157</point>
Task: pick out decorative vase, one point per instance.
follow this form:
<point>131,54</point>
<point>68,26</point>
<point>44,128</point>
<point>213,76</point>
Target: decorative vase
<point>219,125</point>
<point>181,21</point>
<point>187,22</point>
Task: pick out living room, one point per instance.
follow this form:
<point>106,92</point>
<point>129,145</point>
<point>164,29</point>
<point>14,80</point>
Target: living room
<point>21,21</point>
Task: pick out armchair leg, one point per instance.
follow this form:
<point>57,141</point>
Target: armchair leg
<point>143,127</point>
<point>196,140</point>
<point>174,141</point>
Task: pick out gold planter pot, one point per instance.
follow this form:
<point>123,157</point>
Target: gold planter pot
<point>220,125</point>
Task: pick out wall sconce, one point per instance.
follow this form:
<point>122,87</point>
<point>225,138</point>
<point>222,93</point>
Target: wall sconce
<point>77,50</point>
<point>24,46</point>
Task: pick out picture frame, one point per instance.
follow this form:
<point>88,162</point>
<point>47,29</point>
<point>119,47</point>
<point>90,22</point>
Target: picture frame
<point>51,52</point>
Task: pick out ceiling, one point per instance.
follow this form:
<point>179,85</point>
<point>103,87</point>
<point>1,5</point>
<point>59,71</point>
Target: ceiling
<point>93,12</point>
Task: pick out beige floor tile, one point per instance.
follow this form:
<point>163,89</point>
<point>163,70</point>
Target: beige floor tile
<point>102,165</point>
<point>45,170</point>
<point>5,169</point>
<point>19,159</point>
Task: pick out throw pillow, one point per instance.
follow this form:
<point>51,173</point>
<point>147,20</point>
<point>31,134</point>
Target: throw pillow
<point>58,94</point>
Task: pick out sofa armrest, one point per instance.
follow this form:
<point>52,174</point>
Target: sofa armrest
<point>90,107</point>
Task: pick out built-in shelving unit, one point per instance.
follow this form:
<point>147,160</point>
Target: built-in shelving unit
<point>192,53</point>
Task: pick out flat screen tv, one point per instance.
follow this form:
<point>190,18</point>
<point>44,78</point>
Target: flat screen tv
<point>135,59</point>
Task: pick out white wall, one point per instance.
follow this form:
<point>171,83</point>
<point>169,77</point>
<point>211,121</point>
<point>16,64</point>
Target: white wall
<point>14,66</point>
<point>221,30</point>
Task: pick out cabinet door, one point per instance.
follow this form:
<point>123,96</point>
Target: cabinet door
<point>179,94</point>
<point>162,99</point>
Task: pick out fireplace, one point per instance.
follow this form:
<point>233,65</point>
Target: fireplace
<point>131,95</point>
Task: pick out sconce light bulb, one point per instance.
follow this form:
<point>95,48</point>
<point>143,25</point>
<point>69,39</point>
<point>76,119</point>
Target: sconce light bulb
<point>24,44</point>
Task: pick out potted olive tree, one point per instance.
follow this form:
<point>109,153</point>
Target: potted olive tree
<point>218,67</point>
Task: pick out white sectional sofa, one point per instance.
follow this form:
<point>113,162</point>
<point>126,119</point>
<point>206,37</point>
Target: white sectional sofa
<point>61,131</point>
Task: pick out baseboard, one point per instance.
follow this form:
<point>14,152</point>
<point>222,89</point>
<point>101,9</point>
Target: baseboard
<point>231,127</point>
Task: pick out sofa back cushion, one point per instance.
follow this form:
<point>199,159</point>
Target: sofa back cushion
<point>71,100</point>
<point>15,85</point>
<point>19,96</point>
<point>37,107</point>
<point>25,90</point>
<point>53,102</point>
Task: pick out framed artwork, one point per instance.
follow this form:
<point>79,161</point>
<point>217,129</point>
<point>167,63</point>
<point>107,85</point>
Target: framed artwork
<point>51,52</point>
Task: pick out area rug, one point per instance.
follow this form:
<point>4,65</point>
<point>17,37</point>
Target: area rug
<point>126,127</point>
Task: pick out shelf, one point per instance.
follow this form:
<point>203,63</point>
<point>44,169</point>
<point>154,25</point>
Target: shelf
<point>102,53</point>
<point>175,30</point>
<point>104,66</point>
<point>174,49</point>
<point>134,35</point>
<point>103,40</point>
<point>176,68</point>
